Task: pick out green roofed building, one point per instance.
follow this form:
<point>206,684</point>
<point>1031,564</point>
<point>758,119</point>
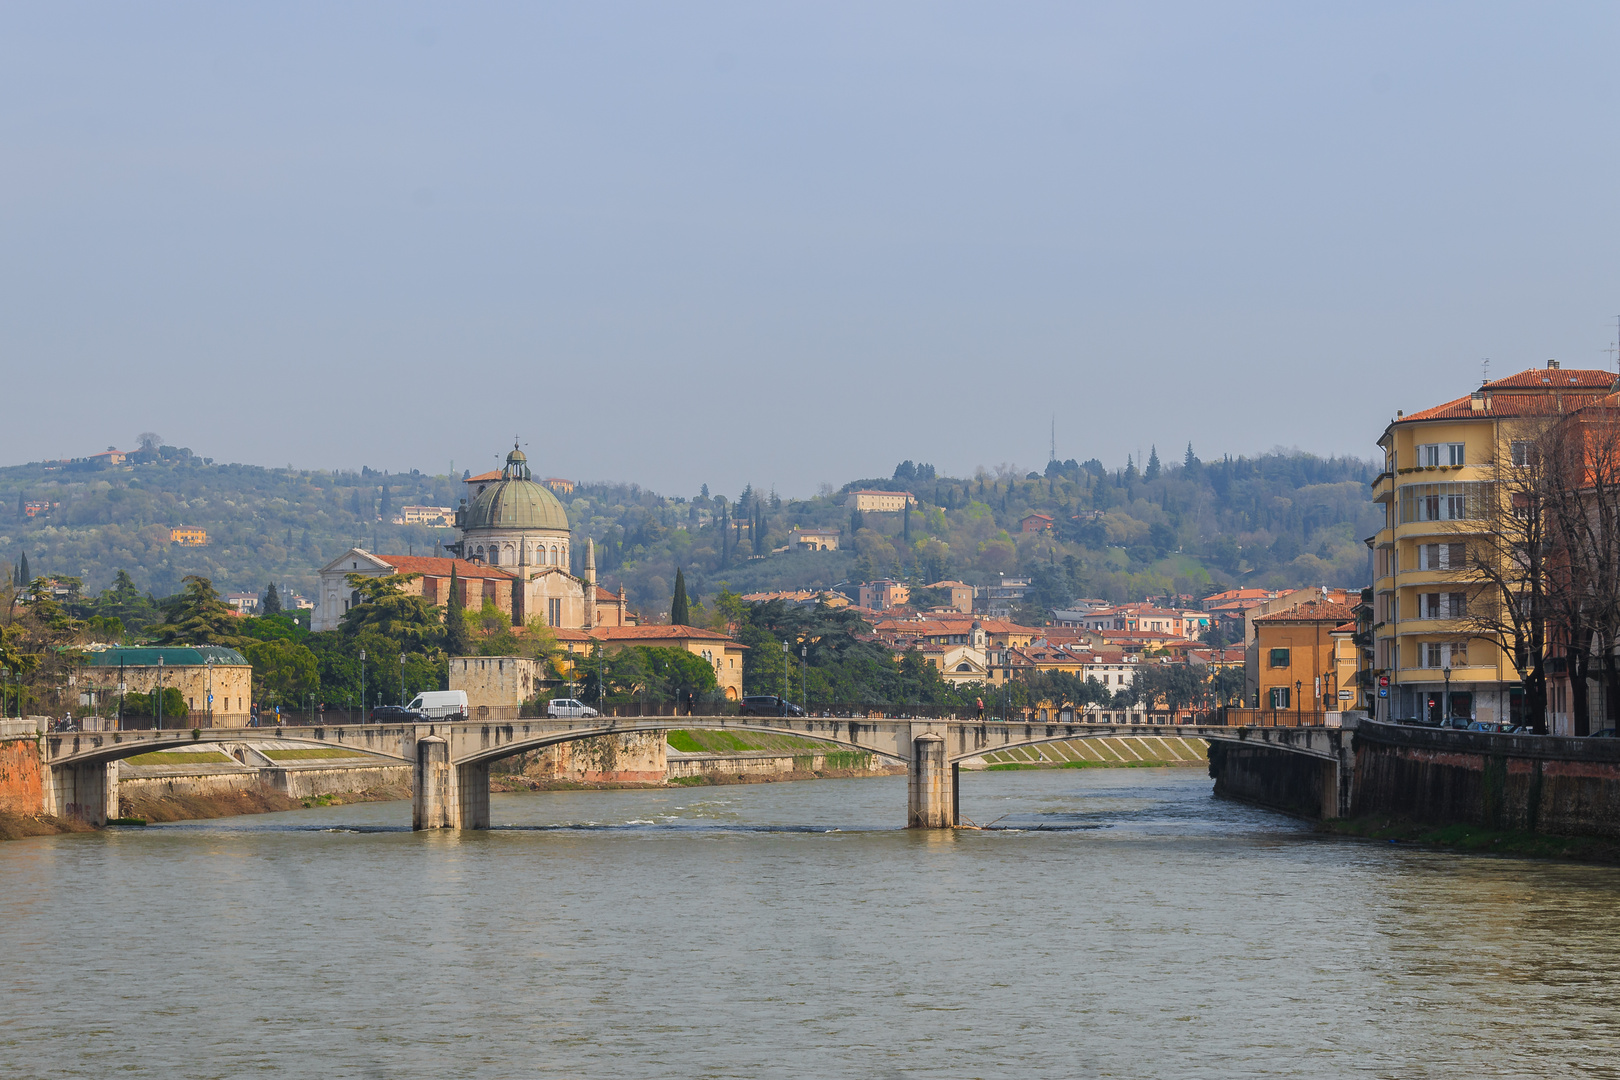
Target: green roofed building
<point>197,671</point>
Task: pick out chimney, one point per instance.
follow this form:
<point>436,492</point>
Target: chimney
<point>1552,365</point>
<point>1477,401</point>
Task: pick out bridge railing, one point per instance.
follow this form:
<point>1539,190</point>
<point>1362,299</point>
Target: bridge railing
<point>1273,718</point>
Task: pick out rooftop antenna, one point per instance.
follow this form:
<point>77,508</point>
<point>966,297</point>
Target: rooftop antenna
<point>1485,371</point>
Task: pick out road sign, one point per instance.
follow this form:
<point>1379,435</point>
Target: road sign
<point>1346,695</point>
<point>1383,691</point>
<point>1383,680</point>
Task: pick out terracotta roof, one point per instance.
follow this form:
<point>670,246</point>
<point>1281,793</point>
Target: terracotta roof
<point>1345,628</point>
<point>1312,611</point>
<point>432,567</point>
<point>1510,405</point>
<point>483,477</point>
<point>1536,378</point>
<point>660,633</point>
<point>603,594</point>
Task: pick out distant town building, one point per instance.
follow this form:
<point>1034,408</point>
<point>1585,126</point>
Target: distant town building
<point>998,599</point>
<point>427,515</point>
<point>961,594</point>
<point>800,597</point>
<point>813,539</point>
<point>189,535</point>
<point>244,602</point>
<point>723,653</point>
<point>1035,523</point>
<point>879,501</point>
<point>38,509</point>
<point>883,594</point>
<point>559,486</point>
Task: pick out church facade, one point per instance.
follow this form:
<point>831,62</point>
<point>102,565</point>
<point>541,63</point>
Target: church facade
<point>514,551</point>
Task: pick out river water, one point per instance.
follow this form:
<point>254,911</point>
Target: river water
<point>1117,923</point>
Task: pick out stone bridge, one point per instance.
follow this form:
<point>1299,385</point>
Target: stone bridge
<point>451,761</point>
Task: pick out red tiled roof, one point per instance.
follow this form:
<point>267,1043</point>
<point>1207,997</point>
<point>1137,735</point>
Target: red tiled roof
<point>432,567</point>
<point>482,477</point>
<point>603,594</point>
<point>1312,611</point>
<point>660,633</point>
<point>1536,378</point>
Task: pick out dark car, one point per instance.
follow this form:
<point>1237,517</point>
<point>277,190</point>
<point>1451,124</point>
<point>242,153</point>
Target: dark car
<point>1460,723</point>
<point>769,705</point>
<point>396,714</point>
<point>1606,733</point>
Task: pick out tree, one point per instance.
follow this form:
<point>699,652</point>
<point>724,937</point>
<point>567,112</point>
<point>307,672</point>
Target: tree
<point>385,508</point>
<point>149,441</point>
<point>197,616</point>
<point>23,576</point>
<point>386,609</point>
<point>457,642</point>
<point>272,601</point>
<point>679,614</point>
<point>1152,472</point>
<point>284,672</point>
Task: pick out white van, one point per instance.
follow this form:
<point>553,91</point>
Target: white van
<point>441,704</point>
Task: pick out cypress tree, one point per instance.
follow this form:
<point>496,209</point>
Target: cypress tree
<point>23,576</point>
<point>906,528</point>
<point>272,601</point>
<point>678,613</point>
<point>22,507</point>
<point>1152,472</point>
<point>456,641</point>
<point>386,506</point>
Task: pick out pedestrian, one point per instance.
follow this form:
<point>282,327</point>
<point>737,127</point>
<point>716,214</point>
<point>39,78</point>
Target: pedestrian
<point>979,702</point>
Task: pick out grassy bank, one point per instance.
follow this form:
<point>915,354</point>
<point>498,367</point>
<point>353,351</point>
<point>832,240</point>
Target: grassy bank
<point>1103,752</point>
<point>1477,839</point>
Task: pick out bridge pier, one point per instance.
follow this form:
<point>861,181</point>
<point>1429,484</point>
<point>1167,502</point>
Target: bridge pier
<point>931,790</point>
<point>447,795</point>
<point>86,792</point>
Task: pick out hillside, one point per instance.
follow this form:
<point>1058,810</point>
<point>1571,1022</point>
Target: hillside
<point>1274,520</point>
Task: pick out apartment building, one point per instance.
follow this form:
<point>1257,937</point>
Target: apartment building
<point>1438,497</point>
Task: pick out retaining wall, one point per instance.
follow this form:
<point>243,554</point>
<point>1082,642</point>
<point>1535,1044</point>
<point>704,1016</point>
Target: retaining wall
<point>773,763</point>
<point>21,788</point>
<point>1539,783</point>
<point>637,758</point>
<point>1292,783</point>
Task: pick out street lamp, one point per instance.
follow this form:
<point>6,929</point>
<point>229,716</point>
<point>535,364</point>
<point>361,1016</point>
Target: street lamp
<point>362,686</point>
<point>209,664</point>
<point>402,679</point>
<point>804,694</point>
<point>1445,702</point>
<point>160,693</point>
<point>784,670</point>
<point>1299,689</point>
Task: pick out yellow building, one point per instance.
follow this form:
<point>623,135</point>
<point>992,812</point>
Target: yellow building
<point>724,653</point>
<point>1298,673</point>
<point>1436,490</point>
<point>188,535</point>
<point>880,501</point>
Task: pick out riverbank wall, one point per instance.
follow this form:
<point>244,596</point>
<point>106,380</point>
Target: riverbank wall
<point>637,758</point>
<point>22,790</point>
<point>757,765</point>
<point>1529,783</point>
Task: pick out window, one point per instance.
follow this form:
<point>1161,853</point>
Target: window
<point>1521,452</point>
<point>1454,453</point>
<point>1280,697</point>
<point>1428,455</point>
<point>1442,502</point>
<point>1442,605</point>
<point>1279,658</point>
<point>1444,654</point>
<point>1442,556</point>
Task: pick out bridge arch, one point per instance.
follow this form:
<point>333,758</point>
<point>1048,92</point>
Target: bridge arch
<point>967,742</point>
<point>846,735</point>
<point>108,746</point>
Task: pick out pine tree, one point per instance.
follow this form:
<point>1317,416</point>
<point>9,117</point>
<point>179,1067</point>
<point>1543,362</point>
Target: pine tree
<point>725,537</point>
<point>272,601</point>
<point>354,503</point>
<point>678,613</point>
<point>1191,459</point>
<point>906,523</point>
<point>456,640</point>
<point>1152,472</point>
<point>23,575</point>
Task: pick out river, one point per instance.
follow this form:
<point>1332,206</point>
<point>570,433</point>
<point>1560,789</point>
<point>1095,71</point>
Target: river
<point>1119,923</point>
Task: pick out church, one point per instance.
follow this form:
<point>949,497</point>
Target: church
<point>514,551</point>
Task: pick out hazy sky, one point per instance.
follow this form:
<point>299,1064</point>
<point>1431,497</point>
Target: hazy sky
<point>777,243</point>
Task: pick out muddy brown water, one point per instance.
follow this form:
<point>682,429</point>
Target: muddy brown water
<point>1118,923</point>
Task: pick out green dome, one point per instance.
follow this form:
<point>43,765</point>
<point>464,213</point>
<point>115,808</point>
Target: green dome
<point>516,502</point>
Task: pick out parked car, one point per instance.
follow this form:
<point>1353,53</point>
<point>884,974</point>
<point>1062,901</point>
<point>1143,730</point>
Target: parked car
<point>397,714</point>
<point>769,705</point>
<point>1459,723</point>
<point>1491,726</point>
<point>568,709</point>
<point>1606,733</point>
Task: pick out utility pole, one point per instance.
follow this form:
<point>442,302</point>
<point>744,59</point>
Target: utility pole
<point>160,693</point>
<point>362,686</point>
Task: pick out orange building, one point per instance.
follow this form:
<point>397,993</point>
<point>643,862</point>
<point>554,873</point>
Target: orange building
<point>1296,669</point>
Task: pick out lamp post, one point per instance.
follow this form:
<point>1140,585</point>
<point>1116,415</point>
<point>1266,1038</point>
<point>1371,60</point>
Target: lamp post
<point>402,680</point>
<point>209,664</point>
<point>160,693</point>
<point>1299,688</point>
<point>784,670</point>
<point>804,694</point>
<point>362,686</point>
<point>1445,702</point>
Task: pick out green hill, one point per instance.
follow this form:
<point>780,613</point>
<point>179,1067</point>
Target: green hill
<point>1275,520</point>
